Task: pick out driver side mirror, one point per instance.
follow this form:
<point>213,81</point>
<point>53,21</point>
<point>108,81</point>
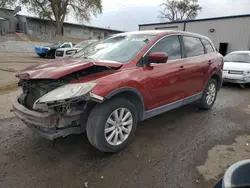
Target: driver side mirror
<point>157,57</point>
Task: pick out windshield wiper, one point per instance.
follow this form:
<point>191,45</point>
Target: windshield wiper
<point>86,57</point>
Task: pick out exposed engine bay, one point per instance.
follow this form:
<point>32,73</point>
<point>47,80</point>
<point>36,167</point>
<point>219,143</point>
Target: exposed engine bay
<point>58,118</point>
<point>35,88</point>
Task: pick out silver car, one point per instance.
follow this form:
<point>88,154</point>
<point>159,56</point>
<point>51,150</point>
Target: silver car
<point>237,68</point>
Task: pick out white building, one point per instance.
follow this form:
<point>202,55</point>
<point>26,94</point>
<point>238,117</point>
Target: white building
<point>229,33</point>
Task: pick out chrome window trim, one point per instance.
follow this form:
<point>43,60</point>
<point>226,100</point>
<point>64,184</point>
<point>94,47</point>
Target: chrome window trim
<point>179,34</point>
<point>211,44</point>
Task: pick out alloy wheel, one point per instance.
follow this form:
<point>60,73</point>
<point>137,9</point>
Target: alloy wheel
<point>211,93</point>
<point>118,126</point>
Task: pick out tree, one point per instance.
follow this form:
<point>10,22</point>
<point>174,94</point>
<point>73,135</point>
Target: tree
<point>57,10</point>
<point>179,10</point>
<point>7,3</point>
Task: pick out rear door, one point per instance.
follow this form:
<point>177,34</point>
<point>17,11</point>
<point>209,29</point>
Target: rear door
<point>196,65</point>
<point>212,59</point>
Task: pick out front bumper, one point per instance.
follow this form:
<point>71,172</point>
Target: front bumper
<point>235,78</point>
<point>49,125</point>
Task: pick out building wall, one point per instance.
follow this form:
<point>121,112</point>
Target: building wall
<point>40,29</point>
<point>234,31</point>
<point>85,33</point>
<point>7,25</point>
<point>4,26</point>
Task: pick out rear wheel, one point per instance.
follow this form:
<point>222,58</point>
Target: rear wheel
<point>42,55</point>
<point>111,126</point>
<point>50,54</point>
<point>209,95</point>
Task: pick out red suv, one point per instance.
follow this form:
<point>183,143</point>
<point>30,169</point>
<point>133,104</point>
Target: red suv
<point>111,85</point>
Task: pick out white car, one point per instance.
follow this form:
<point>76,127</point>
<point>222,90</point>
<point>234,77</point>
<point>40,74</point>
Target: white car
<point>237,68</point>
<point>67,52</point>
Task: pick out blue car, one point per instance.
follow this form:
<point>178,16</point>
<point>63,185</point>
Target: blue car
<point>49,51</point>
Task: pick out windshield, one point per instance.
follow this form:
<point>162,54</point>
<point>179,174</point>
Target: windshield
<point>83,44</point>
<point>238,57</point>
<point>56,45</point>
<point>121,48</point>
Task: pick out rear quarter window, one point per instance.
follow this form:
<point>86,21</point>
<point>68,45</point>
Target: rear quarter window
<point>207,45</point>
<point>193,46</point>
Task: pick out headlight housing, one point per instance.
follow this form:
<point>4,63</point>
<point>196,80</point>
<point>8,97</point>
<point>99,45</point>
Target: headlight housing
<point>68,91</point>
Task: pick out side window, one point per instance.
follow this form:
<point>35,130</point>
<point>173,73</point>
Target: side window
<point>207,45</point>
<point>193,46</point>
<point>170,45</point>
<point>66,45</point>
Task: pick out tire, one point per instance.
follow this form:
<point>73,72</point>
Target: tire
<point>204,102</point>
<point>42,55</point>
<point>97,124</point>
<point>50,55</point>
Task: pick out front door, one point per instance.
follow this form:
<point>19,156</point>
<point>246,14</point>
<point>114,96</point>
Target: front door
<point>165,81</point>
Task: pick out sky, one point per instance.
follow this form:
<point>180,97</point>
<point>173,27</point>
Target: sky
<point>126,15</point>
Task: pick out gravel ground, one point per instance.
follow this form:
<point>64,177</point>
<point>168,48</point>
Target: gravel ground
<point>6,103</point>
<point>184,148</point>
<point>20,46</point>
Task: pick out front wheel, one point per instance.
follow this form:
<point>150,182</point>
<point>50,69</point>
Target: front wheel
<point>209,95</point>
<point>111,126</point>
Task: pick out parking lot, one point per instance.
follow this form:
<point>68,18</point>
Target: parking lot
<point>186,147</point>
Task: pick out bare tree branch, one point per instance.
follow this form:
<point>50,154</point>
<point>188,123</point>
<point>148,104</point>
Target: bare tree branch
<point>179,10</point>
<point>57,10</point>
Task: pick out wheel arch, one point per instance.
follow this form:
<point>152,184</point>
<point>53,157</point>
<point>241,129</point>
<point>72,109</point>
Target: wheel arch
<point>218,78</point>
<point>133,95</point>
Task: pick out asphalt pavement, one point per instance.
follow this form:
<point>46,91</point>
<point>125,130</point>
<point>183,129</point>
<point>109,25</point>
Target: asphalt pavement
<point>173,150</point>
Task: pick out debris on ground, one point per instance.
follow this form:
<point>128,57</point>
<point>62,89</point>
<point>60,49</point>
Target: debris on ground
<point>86,184</point>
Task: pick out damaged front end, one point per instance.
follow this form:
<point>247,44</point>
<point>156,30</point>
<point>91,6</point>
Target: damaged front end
<point>55,108</point>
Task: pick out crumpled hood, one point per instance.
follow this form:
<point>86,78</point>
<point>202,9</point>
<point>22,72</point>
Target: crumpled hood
<point>59,68</point>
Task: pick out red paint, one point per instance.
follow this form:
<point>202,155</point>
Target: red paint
<point>159,84</point>
<point>59,68</point>
<point>158,57</point>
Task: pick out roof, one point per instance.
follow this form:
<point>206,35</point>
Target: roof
<point>8,9</point>
<point>199,20</point>
<point>107,29</point>
<point>1,18</point>
<point>161,32</point>
<point>147,32</point>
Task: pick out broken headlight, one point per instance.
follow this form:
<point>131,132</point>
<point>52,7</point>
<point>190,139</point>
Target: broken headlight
<point>68,91</point>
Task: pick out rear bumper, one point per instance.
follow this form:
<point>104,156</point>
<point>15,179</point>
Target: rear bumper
<point>49,125</point>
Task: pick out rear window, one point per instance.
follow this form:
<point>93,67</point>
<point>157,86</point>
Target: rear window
<point>207,45</point>
<point>193,46</point>
<point>238,58</point>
